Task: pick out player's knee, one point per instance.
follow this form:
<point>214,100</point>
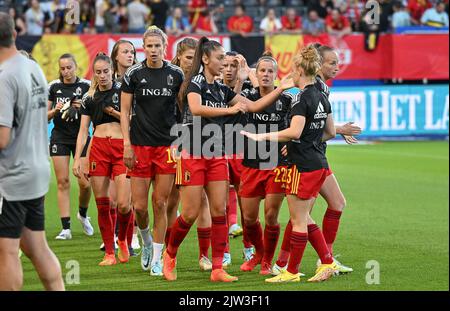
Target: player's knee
<point>339,204</point>
<point>63,184</point>
<point>159,203</point>
<point>271,219</point>
<point>123,207</point>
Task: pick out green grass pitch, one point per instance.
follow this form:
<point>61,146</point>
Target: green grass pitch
<point>397,214</point>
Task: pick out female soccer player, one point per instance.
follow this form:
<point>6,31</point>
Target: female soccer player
<point>311,124</point>
<point>330,190</point>
<point>264,178</point>
<point>203,165</point>
<point>183,59</point>
<point>101,105</point>
<point>153,85</point>
<point>64,103</point>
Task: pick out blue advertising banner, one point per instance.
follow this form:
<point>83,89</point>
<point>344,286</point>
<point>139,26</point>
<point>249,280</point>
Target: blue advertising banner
<point>394,112</point>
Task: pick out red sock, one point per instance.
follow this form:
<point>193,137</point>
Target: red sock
<point>130,229</point>
<point>298,245</point>
<point>232,207</point>
<point>330,226</point>
<point>113,212</point>
<point>219,233</point>
<point>256,237</point>
<point>227,245</point>
<point>167,236</point>
<point>105,224</point>
<point>204,240</point>
<point>315,237</point>
<point>283,256</point>
<point>271,235</point>
<point>245,237</point>
<point>124,223</point>
<point>179,231</point>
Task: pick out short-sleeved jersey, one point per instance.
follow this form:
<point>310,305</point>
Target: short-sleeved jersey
<point>154,107</point>
<point>308,153</point>
<point>215,95</point>
<point>273,118</point>
<point>322,86</point>
<point>24,162</point>
<point>93,106</point>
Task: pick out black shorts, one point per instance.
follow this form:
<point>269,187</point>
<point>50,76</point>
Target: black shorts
<point>14,215</point>
<point>58,149</point>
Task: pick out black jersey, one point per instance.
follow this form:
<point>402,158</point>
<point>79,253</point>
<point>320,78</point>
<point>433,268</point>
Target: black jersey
<point>322,86</point>
<point>154,106</point>
<point>59,92</point>
<point>215,95</point>
<point>275,116</point>
<point>308,153</point>
<point>93,106</point>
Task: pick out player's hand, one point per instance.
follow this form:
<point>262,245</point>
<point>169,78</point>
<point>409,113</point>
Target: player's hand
<point>350,129</point>
<point>284,151</point>
<point>253,136</point>
<point>129,158</point>
<point>64,111</point>
<point>108,110</point>
<point>287,83</point>
<point>76,103</point>
<point>237,108</point>
<point>58,107</point>
<point>76,168</point>
<point>350,139</point>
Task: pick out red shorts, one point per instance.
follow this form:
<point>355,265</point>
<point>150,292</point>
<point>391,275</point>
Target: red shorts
<point>259,183</point>
<point>151,161</point>
<point>106,157</point>
<point>235,166</point>
<point>305,185</point>
<point>200,171</point>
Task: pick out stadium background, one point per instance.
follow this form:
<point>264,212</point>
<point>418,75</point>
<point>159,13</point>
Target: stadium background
<point>397,192</point>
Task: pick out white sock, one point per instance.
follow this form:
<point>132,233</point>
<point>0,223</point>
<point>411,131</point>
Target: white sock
<point>146,237</point>
<point>157,252</point>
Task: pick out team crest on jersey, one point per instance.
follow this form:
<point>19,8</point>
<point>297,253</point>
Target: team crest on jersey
<point>54,149</point>
<point>279,105</point>
<point>115,98</point>
<point>78,91</point>
<point>187,176</point>
<point>93,166</point>
<point>169,80</point>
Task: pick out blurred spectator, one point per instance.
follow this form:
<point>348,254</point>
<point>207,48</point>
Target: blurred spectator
<point>177,24</point>
<point>19,23</point>
<point>110,16</point>
<point>270,23</point>
<point>352,9</point>
<point>87,18</point>
<point>34,18</point>
<point>322,7</point>
<point>401,17</point>
<point>291,22</point>
<point>337,24</point>
<point>159,10</point>
<point>435,17</point>
<point>122,16</point>
<point>206,25</point>
<point>138,15</point>
<point>100,8</point>
<point>313,25</point>
<point>57,9</point>
<point>417,8</point>
<point>385,15</point>
<point>240,23</point>
<point>48,16</point>
<point>219,19</point>
<point>197,12</point>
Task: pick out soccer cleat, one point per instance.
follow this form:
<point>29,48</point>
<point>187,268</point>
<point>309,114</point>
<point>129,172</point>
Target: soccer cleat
<point>65,234</point>
<point>251,264</point>
<point>146,257</point>
<point>235,230</point>
<point>284,277</point>
<point>205,264</point>
<point>86,223</point>
<point>248,253</point>
<point>266,268</point>
<point>340,268</point>
<point>220,275</point>
<point>276,270</point>
<point>226,262</point>
<point>324,272</point>
<point>124,253</point>
<point>108,260</point>
<point>157,269</point>
<point>135,242</point>
<point>169,267</point>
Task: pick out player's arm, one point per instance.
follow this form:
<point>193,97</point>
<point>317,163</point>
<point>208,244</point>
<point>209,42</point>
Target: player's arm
<point>197,109</point>
<point>83,133</point>
<point>129,157</point>
<point>8,91</point>
<point>293,132</point>
<point>112,112</point>
<point>5,136</point>
<point>329,131</point>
